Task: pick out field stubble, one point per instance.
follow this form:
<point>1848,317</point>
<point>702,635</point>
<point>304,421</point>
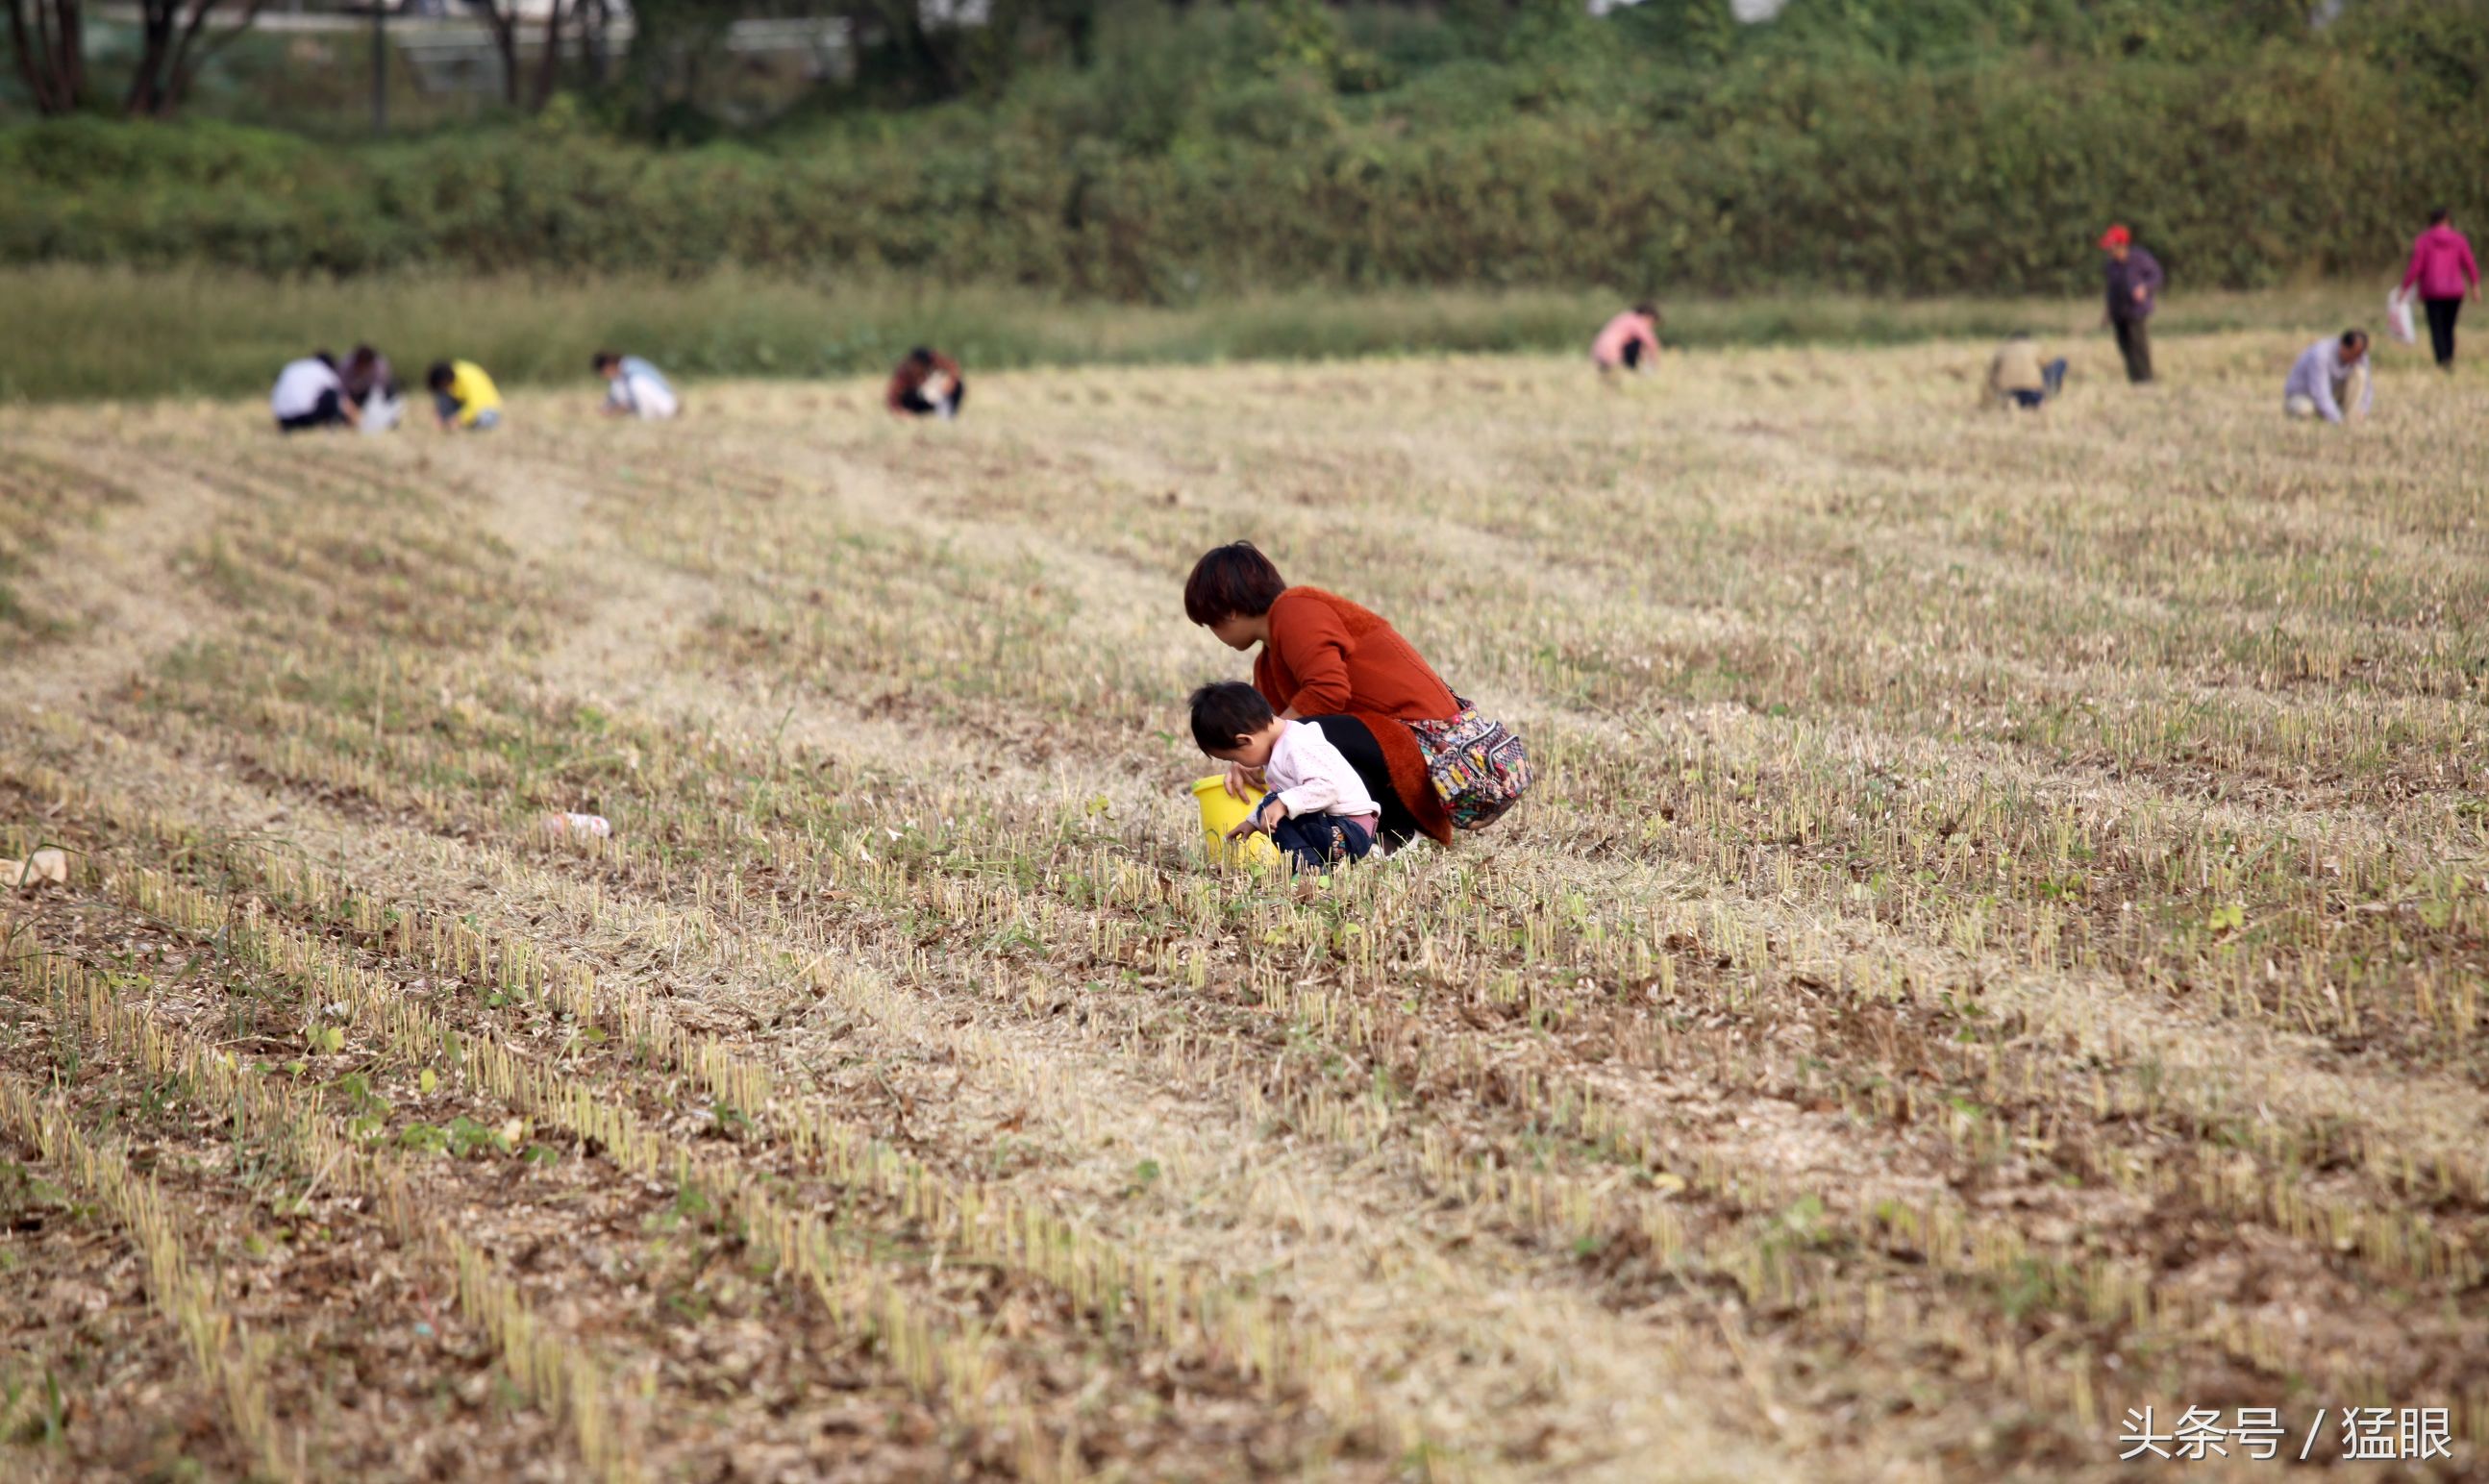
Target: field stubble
<point>2000,939</point>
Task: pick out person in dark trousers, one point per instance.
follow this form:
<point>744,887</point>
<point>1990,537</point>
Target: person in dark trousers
<point>928,384</point>
<point>2444,270</point>
<point>1317,808</point>
<point>309,396</point>
<point>2134,282</point>
<point>1628,342</point>
<point>2017,376</point>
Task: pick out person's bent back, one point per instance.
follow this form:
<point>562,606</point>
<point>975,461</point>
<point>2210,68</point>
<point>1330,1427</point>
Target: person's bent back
<point>2330,377</point>
<point>1628,342</point>
<point>309,395</point>
<point>463,396</point>
<point>925,383</point>
<point>635,388</point>
<point>2017,376</point>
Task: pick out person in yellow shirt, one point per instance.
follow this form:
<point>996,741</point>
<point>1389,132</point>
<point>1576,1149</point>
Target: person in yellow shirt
<point>463,396</point>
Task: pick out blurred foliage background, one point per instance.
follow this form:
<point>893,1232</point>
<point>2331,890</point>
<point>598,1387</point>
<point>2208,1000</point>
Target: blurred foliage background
<point>1154,153</point>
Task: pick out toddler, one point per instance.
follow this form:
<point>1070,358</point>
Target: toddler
<point>1317,810</point>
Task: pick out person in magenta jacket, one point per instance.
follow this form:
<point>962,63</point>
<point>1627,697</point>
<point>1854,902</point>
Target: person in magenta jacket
<point>2443,270</point>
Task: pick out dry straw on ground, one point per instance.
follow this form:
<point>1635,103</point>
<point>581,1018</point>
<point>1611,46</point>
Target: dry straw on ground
<point>1999,940</point>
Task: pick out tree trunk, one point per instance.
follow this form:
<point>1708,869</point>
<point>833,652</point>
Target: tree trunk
<point>146,94</point>
<point>505,28</point>
<point>549,65</point>
<point>190,55</point>
<point>56,67</point>
<point>171,53</point>
<point>592,40</point>
<point>33,65</point>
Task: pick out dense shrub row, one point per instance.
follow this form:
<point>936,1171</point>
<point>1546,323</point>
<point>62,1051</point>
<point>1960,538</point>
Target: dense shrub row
<point>1987,172</point>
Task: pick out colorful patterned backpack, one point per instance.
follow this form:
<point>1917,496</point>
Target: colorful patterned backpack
<point>1477,765</point>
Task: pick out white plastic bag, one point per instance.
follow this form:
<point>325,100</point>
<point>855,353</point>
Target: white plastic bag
<point>2398,316</point>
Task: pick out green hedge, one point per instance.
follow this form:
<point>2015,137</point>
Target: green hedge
<point>1991,176</point>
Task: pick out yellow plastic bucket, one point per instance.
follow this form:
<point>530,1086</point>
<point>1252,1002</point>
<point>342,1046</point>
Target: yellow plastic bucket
<point>1222,812</point>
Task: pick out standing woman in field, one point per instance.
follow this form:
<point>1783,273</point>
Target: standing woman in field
<point>1431,761</point>
<point>2444,270</point>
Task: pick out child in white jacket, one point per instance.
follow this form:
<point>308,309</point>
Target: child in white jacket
<point>1318,810</point>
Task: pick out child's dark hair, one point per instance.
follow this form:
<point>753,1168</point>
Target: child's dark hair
<point>439,375</point>
<point>1235,580</point>
<point>921,357</point>
<point>604,359</point>
<point>1223,711</point>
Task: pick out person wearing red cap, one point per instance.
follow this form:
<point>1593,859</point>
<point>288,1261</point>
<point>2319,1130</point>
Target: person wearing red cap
<point>2134,281</point>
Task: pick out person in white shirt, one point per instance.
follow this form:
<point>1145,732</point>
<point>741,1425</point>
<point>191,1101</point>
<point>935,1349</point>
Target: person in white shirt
<point>635,388</point>
<point>310,394</point>
<point>1317,810</point>
<point>2330,376</point>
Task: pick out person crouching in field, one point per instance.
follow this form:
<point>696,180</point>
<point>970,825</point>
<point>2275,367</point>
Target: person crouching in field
<point>371,387</point>
<point>2017,377</point>
<point>463,396</point>
<point>309,395</point>
<point>1317,808</point>
<point>2331,374</point>
<point>634,388</point>
<point>926,384</point>
<point>1629,342</point>
<point>1430,761</point>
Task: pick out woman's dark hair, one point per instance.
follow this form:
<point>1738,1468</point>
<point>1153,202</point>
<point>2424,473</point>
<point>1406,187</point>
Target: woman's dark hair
<point>922,355</point>
<point>2437,216</point>
<point>1231,581</point>
<point>363,358</point>
<point>1647,310</point>
<point>1223,711</point>
<point>326,357</point>
<point>439,375</point>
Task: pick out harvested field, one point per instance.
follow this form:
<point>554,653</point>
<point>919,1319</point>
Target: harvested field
<point>1998,939</point>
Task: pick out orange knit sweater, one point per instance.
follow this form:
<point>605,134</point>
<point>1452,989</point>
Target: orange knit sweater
<point>1329,657</point>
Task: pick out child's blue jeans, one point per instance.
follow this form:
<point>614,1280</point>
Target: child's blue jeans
<point>1315,841</point>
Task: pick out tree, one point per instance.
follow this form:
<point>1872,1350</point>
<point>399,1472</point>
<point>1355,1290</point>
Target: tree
<point>49,39</point>
<point>549,64</point>
<point>503,21</point>
<point>172,49</point>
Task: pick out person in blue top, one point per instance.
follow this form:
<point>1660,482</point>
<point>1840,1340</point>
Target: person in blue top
<point>635,388</point>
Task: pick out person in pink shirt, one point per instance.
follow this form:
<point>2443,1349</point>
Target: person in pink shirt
<point>2443,269</point>
<point>1630,340</point>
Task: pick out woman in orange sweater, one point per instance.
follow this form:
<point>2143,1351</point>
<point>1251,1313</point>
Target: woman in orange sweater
<point>1328,661</point>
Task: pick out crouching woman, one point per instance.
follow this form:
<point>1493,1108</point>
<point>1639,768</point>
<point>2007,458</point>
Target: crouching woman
<point>1432,764</point>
